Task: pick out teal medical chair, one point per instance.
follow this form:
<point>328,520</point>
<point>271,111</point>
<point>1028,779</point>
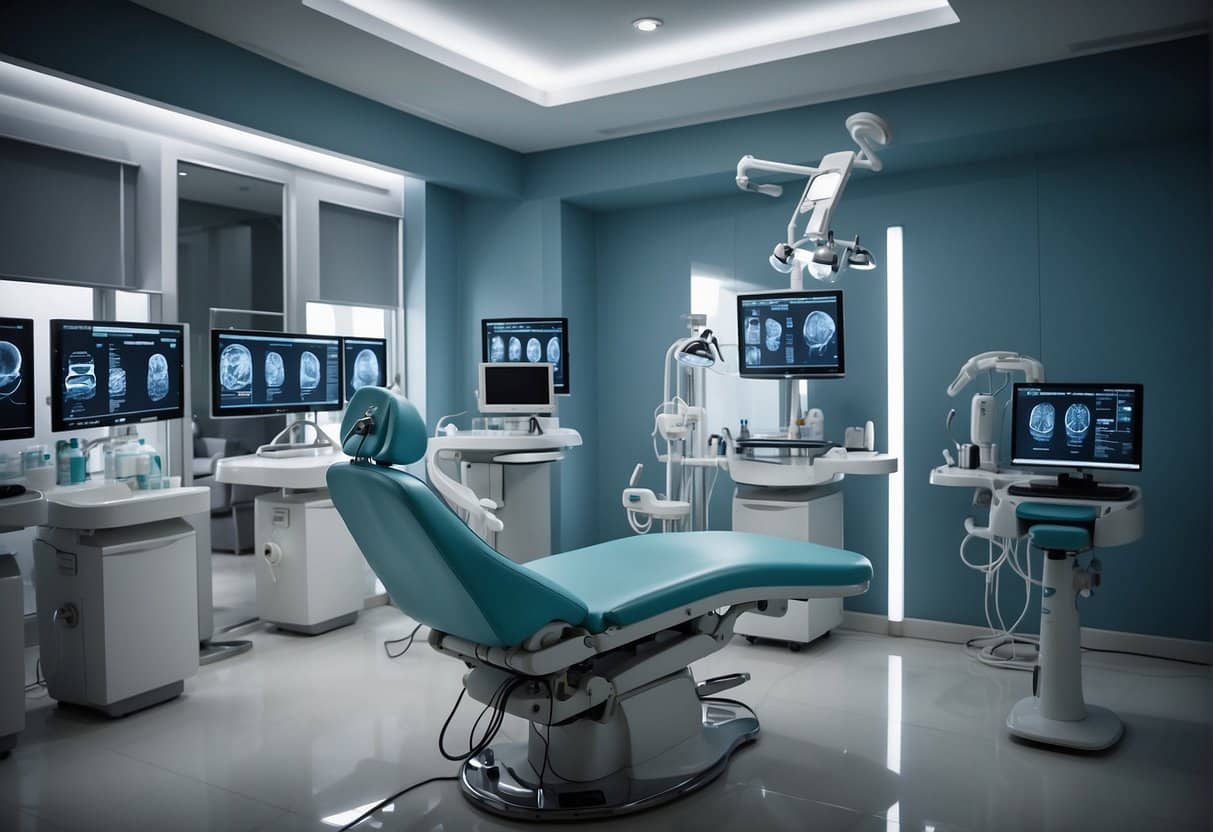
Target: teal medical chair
<point>591,646</point>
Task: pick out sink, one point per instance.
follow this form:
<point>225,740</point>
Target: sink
<point>115,505</point>
<point>29,509</point>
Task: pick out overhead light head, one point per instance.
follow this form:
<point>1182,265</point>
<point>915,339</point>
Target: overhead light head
<point>781,258</point>
<point>699,352</point>
<point>183,173</point>
<point>647,24</point>
<point>860,259</point>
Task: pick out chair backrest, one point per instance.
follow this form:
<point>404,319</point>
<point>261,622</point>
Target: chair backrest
<point>433,566</point>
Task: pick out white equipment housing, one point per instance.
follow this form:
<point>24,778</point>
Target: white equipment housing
<point>12,654</point>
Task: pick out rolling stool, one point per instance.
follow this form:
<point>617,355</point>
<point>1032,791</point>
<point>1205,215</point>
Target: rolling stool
<point>1056,714</point>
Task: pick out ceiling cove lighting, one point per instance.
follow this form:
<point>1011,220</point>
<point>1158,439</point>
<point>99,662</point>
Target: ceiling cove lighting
<point>520,64</point>
<point>647,24</point>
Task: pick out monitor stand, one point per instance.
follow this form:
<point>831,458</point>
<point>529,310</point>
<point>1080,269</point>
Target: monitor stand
<point>1072,487</point>
<point>281,445</point>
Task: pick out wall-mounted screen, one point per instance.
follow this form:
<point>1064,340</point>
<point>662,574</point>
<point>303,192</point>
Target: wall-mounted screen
<point>365,362</point>
<point>113,373</point>
<point>16,378</point>
<point>1077,425</point>
<point>261,373</point>
<point>791,335</point>
<point>529,340</point>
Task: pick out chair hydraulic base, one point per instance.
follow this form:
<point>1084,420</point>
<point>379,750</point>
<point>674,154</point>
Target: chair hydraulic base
<point>1101,729</point>
<point>506,783</point>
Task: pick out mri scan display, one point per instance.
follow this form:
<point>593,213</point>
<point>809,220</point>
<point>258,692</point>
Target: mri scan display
<point>117,382</point>
<point>236,367</point>
<point>298,373</point>
<point>366,363</point>
<point>1041,421</point>
<point>792,334</point>
<point>16,378</point>
<point>533,340</point>
<point>1102,425</point>
<point>140,363</point>
<point>275,369</point>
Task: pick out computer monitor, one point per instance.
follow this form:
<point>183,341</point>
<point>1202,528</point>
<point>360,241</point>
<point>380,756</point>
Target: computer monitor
<point>365,362</point>
<point>530,340</point>
<point>791,335</point>
<point>16,378</point>
<point>1077,425</point>
<point>263,373</point>
<point>115,373</point>
<point>517,388</point>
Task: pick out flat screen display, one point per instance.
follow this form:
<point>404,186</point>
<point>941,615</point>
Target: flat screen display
<point>260,373</point>
<point>529,340</point>
<point>114,373</point>
<point>1077,425</point>
<point>365,362</point>
<point>16,378</point>
<point>791,335</point>
<point>516,388</point>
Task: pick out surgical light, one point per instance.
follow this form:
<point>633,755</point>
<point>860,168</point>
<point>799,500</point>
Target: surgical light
<point>860,258</point>
<point>698,352</point>
<point>647,24</point>
<point>782,257</point>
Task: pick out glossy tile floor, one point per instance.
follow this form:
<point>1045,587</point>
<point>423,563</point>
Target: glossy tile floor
<point>233,589</point>
<point>859,733</point>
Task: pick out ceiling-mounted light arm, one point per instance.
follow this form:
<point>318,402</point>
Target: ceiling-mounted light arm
<point>868,129</point>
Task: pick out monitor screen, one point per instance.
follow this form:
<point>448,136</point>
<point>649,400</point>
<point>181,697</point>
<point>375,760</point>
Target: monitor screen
<point>516,388</point>
<point>260,373</point>
<point>365,361</point>
<point>1077,425</point>
<point>111,373</point>
<point>533,340</point>
<point>16,378</point>
<point>790,335</point>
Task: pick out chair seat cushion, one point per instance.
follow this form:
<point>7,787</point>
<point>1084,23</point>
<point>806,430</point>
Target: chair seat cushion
<point>1060,538</point>
<point>628,580</point>
<point>1062,514</point>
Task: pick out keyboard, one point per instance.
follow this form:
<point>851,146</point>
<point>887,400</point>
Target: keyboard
<point>1099,493</point>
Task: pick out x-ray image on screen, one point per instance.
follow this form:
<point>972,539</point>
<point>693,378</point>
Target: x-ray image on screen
<point>530,340</point>
<point>1077,425</point>
<point>791,334</point>
<point>109,373</point>
<point>16,378</point>
<point>257,373</point>
<point>365,364</point>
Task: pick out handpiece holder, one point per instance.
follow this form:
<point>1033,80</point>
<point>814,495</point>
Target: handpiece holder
<point>281,445</point>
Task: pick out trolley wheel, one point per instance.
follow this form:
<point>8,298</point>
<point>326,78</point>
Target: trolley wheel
<point>794,647</point>
<point>752,639</point>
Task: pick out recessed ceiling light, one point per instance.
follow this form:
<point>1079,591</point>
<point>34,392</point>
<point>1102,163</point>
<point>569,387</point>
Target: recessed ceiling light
<point>182,173</point>
<point>646,24</point>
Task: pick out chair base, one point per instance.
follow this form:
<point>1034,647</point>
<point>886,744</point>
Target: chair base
<point>503,781</point>
<point>1101,729</point>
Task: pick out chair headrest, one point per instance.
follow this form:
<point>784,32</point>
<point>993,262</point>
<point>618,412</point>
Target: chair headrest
<point>391,429</point>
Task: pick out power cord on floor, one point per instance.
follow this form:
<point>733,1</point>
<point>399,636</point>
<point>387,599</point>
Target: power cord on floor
<point>1144,656</point>
<point>387,645</point>
<point>394,798</point>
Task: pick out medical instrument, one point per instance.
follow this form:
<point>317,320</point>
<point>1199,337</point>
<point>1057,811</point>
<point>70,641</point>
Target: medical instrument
<point>516,388</point>
<point>143,367</point>
<point>583,661</point>
<point>983,409</point>
<point>816,250</point>
<point>531,340</point>
<point>256,373</point>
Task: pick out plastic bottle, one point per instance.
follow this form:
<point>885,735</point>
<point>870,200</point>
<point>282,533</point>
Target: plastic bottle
<point>77,463</point>
<point>147,466</point>
<point>63,463</point>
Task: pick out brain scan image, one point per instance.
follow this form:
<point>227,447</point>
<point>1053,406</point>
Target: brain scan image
<point>753,331</point>
<point>818,331</point>
<point>235,367</point>
<point>1041,421</point>
<point>275,370</point>
<point>366,370</point>
<point>534,352</point>
<point>157,377</point>
<point>753,356</point>
<point>1078,420</point>
<point>10,369</point>
<point>497,349</point>
<point>309,371</point>
<point>774,333</point>
<point>515,353</point>
<point>553,350</point>
<point>81,381</point>
<point>117,382</point>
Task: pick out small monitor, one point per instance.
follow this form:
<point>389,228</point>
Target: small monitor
<point>112,373</point>
<point>528,340</point>
<point>1077,426</point>
<point>791,335</point>
<point>16,378</point>
<point>365,363</point>
<point>264,373</point>
<point>517,388</point>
